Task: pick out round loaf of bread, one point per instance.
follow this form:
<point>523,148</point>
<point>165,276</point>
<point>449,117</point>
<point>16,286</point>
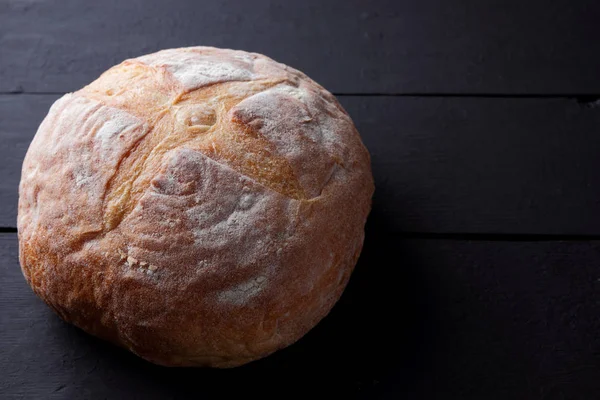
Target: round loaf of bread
<point>197,206</point>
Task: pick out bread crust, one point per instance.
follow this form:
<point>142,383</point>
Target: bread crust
<point>197,206</point>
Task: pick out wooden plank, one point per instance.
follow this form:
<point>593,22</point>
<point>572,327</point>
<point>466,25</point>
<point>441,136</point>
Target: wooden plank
<point>443,165</point>
<point>420,319</point>
<point>350,46</point>
<point>474,165</point>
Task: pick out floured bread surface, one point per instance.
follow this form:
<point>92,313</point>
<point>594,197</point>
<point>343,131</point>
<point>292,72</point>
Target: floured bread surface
<point>198,206</point>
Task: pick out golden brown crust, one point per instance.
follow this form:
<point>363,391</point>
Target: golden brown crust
<point>197,206</point>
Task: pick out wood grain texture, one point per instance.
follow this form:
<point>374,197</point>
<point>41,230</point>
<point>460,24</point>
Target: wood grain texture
<point>381,46</point>
<point>431,319</point>
<point>441,165</point>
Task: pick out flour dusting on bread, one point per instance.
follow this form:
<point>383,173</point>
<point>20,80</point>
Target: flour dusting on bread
<point>243,292</point>
<point>195,70</point>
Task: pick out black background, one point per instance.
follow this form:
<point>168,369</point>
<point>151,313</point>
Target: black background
<point>480,276</point>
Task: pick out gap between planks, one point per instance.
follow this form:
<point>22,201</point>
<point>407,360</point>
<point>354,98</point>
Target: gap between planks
<point>481,237</point>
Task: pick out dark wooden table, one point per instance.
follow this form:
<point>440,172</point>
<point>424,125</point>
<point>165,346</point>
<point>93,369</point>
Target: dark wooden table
<point>480,276</point>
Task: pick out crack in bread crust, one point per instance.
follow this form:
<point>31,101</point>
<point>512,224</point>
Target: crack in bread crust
<point>225,139</point>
